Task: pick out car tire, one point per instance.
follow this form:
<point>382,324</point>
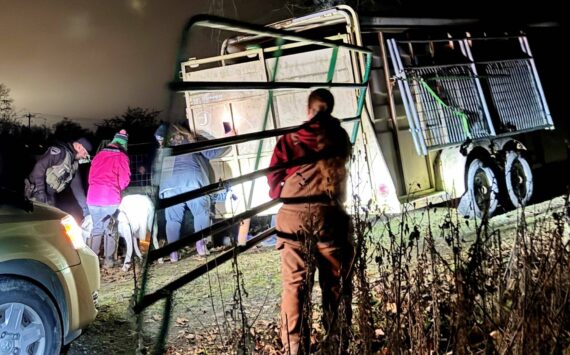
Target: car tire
<point>28,319</point>
<point>519,180</point>
<point>483,188</point>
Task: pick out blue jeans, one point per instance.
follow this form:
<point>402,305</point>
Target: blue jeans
<point>271,241</point>
<point>98,213</point>
<point>200,209</point>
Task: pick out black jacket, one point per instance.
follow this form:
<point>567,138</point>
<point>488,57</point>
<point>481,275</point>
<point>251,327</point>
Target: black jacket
<point>55,155</point>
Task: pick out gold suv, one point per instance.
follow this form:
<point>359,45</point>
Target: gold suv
<point>48,278</point>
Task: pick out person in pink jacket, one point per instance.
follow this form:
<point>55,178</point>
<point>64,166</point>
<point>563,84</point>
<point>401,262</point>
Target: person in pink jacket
<point>109,176</point>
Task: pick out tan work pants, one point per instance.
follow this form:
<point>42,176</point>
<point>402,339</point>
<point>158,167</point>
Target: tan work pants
<point>326,248</point>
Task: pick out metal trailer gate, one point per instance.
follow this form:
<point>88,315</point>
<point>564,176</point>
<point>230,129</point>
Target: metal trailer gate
<point>143,299</point>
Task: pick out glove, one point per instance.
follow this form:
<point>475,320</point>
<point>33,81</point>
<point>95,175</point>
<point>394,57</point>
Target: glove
<point>87,223</point>
<point>86,227</point>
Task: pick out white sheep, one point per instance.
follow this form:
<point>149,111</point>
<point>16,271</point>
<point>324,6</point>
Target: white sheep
<point>135,218</point>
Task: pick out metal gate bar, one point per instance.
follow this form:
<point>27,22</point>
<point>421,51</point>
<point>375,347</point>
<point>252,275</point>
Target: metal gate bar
<point>142,300</point>
<point>192,275</point>
<point>515,95</point>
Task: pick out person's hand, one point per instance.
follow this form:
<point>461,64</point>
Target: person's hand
<point>40,196</point>
<point>87,223</point>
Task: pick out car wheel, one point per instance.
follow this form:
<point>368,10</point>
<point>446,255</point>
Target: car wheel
<point>518,179</point>
<point>483,187</point>
<point>29,321</point>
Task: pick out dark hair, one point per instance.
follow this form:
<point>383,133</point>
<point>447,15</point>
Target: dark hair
<point>322,95</point>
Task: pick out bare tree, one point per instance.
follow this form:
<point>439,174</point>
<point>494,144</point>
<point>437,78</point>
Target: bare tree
<point>6,104</point>
<point>302,6</point>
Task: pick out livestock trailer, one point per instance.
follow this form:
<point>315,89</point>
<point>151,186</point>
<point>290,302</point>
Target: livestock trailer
<point>439,120</point>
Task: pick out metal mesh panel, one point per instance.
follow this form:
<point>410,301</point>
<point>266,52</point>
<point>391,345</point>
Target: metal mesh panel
<point>448,104</point>
<point>140,169</point>
<point>514,95</point>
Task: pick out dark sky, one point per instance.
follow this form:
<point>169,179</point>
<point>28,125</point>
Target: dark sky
<point>91,59</point>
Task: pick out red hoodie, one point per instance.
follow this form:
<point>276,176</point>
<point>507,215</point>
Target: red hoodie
<point>108,177</point>
<point>322,132</point>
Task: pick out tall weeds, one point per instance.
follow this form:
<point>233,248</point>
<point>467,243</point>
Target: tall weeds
<point>446,284</point>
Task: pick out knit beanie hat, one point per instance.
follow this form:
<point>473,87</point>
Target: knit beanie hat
<point>162,131</point>
<point>122,138</point>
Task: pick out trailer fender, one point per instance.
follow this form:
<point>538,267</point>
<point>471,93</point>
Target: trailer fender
<point>451,170</point>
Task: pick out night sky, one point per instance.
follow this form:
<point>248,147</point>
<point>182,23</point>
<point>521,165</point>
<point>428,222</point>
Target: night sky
<point>88,59</point>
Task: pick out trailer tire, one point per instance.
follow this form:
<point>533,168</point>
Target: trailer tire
<point>519,180</point>
<point>483,187</point>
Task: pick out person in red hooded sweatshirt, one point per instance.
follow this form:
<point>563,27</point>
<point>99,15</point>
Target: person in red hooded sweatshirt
<point>108,177</point>
<point>312,223</point>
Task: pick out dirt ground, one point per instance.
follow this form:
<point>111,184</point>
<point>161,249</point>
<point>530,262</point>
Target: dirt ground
<point>200,308</point>
<point>205,311</point>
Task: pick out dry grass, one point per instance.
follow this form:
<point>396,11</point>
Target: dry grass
<point>426,281</point>
<point>453,285</point>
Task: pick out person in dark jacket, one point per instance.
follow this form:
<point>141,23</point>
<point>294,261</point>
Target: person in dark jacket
<point>189,172</point>
<point>57,169</point>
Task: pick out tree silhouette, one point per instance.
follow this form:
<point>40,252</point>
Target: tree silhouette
<point>299,7</point>
<point>15,152</point>
<point>6,102</point>
<point>8,124</point>
<point>140,124</point>
<point>67,131</point>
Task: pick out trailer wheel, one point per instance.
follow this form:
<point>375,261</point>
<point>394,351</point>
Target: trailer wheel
<point>483,187</point>
<point>518,179</point>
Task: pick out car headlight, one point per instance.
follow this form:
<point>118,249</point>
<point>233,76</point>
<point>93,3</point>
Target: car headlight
<point>73,232</point>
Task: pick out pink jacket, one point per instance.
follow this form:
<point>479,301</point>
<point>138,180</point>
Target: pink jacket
<point>108,177</point>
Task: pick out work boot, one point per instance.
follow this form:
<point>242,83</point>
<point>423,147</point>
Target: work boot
<point>201,248</point>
